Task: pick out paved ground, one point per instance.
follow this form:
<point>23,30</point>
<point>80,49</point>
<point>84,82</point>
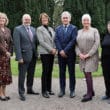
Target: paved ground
<point>55,103</point>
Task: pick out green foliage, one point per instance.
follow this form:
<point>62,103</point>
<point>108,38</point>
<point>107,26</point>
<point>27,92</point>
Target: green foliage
<point>98,9</point>
<point>16,8</point>
<point>38,70</point>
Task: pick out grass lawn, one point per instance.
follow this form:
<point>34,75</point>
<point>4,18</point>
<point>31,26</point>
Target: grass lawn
<point>38,71</point>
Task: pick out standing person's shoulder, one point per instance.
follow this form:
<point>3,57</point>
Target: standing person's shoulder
<point>58,27</point>
<point>73,26</point>
<point>94,29</point>
<point>8,29</point>
<point>33,27</point>
<point>39,28</point>
<point>18,27</point>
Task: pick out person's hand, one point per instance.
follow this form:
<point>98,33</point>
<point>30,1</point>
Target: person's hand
<point>62,53</point>
<point>8,54</point>
<point>21,61</point>
<point>53,51</point>
<point>86,56</point>
<point>82,56</point>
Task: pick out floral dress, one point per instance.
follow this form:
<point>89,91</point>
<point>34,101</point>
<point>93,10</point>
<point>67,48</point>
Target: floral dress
<point>5,67</point>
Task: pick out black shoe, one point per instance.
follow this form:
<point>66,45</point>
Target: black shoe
<point>45,95</point>
<point>3,99</point>
<point>61,94</point>
<point>86,99</point>
<point>32,92</point>
<point>22,97</point>
<point>8,98</point>
<point>72,94</point>
<point>93,94</point>
<point>105,97</point>
<point>51,93</point>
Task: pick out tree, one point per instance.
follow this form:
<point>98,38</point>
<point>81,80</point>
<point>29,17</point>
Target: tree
<point>96,8</point>
<point>16,8</point>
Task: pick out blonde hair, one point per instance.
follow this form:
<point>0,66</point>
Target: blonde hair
<point>3,15</point>
<point>44,14</point>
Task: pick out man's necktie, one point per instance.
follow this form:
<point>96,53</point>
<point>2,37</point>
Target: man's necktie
<point>65,28</point>
<point>30,33</point>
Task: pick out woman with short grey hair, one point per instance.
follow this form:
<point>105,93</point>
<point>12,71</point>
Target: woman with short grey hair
<point>88,41</point>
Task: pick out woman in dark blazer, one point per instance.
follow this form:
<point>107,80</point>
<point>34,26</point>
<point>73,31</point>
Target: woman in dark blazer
<point>47,51</point>
<point>106,62</point>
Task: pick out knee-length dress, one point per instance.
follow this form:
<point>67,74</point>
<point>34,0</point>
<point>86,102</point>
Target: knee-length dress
<point>5,67</point>
<point>88,43</point>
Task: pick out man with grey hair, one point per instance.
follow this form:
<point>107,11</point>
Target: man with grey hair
<point>65,40</point>
<point>25,42</point>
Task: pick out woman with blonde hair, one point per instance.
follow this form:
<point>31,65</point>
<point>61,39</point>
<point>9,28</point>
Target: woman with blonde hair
<point>5,53</point>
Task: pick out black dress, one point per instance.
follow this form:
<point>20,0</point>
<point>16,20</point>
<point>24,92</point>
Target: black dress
<point>105,59</point>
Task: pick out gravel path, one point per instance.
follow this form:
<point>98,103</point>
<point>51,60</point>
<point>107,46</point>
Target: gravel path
<point>54,103</point>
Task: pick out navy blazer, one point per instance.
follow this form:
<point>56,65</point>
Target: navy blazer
<point>66,40</point>
<point>24,48</point>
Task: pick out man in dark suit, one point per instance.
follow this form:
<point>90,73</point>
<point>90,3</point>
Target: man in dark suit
<point>25,42</point>
<point>65,40</point>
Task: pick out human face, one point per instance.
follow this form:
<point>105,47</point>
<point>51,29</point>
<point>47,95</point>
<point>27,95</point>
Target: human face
<point>27,20</point>
<point>44,20</point>
<point>2,21</point>
<point>65,20</point>
<point>86,23</point>
<point>108,27</point>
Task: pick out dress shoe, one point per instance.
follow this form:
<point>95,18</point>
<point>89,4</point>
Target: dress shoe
<point>51,93</point>
<point>45,95</point>
<point>86,99</point>
<point>22,97</point>
<point>72,94</point>
<point>105,97</point>
<point>4,98</point>
<point>61,94</point>
<point>32,92</point>
<point>93,94</point>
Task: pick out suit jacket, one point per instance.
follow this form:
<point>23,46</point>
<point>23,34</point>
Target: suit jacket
<point>24,47</point>
<point>66,41</point>
<point>46,41</point>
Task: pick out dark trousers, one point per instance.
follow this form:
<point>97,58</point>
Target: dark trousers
<point>70,62</point>
<point>106,73</point>
<point>28,67</point>
<point>47,67</point>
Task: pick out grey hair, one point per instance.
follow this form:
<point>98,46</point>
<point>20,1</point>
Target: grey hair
<point>26,15</point>
<point>86,16</point>
<point>67,14</point>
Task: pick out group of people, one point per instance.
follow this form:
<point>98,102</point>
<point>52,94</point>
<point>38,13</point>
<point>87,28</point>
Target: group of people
<point>66,41</point>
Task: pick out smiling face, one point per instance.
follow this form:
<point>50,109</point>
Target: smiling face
<point>26,20</point>
<point>44,20</point>
<point>2,21</point>
<point>86,23</point>
<point>65,20</point>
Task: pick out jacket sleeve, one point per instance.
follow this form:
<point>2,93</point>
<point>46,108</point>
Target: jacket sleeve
<point>17,46</point>
<point>42,41</point>
<point>57,42</point>
<point>96,43</point>
<point>72,42</point>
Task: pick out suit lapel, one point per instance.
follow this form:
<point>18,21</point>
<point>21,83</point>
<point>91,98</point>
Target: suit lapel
<point>25,32</point>
<point>47,33</point>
